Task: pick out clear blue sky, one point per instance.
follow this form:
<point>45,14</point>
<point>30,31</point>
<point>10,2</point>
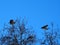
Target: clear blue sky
<point>37,12</point>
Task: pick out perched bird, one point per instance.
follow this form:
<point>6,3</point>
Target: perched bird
<point>30,37</point>
<point>45,27</point>
<point>12,22</point>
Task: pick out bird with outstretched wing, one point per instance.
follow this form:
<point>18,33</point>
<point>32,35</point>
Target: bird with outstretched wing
<point>45,27</point>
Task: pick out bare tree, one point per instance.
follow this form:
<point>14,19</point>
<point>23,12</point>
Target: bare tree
<point>51,37</point>
<point>17,34</point>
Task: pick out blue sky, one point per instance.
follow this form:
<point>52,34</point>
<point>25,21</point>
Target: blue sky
<point>37,12</point>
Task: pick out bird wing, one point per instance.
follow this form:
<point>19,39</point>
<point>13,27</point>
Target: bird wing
<point>44,27</point>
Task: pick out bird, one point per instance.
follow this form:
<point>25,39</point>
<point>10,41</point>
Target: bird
<point>45,27</point>
<point>30,37</point>
<point>12,22</point>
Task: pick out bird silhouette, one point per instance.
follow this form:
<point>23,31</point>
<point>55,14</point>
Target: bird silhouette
<point>30,37</point>
<point>12,22</point>
<point>45,27</point>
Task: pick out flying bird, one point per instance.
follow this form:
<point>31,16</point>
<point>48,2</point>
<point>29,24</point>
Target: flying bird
<point>45,27</point>
<point>12,22</point>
